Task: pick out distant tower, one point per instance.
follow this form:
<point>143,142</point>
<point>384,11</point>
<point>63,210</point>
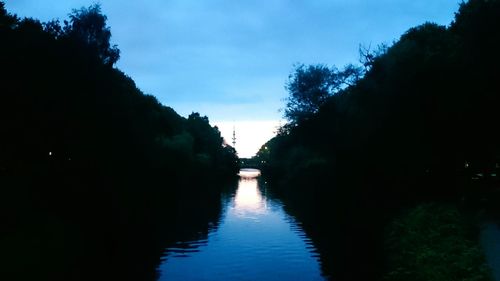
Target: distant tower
<point>234,137</point>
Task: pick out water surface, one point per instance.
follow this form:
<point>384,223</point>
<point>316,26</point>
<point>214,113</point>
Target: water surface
<point>255,240</point>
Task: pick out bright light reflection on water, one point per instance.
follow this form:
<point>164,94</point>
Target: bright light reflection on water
<point>256,240</point>
<point>248,199</point>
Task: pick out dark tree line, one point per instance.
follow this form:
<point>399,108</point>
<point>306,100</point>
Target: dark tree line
<point>419,124</point>
<point>93,172</point>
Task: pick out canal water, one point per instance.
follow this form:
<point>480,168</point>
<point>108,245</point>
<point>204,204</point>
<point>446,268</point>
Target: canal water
<point>254,240</point>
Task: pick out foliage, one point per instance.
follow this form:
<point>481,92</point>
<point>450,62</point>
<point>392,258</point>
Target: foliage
<point>309,87</point>
<point>88,26</point>
<point>426,106</point>
<point>433,242</point>
<point>416,127</point>
<point>6,20</point>
<point>92,171</point>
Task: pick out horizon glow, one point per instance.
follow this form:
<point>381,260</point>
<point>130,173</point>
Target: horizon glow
<point>250,135</point>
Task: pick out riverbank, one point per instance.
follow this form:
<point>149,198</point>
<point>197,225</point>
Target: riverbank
<point>93,172</point>
<point>378,240</point>
<point>436,242</point>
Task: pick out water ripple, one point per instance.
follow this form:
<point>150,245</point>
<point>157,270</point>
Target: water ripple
<point>255,240</point>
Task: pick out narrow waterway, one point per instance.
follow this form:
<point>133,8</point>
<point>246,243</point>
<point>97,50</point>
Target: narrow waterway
<point>255,240</point>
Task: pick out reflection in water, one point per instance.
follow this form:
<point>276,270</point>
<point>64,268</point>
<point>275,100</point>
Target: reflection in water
<point>256,240</point>
<point>248,200</point>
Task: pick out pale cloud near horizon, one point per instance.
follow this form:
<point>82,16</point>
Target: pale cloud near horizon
<point>250,135</point>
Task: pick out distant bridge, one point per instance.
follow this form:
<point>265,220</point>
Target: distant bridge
<point>249,163</point>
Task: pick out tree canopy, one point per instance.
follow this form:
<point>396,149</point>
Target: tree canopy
<point>88,25</point>
<point>310,86</point>
<point>418,126</point>
<point>90,165</point>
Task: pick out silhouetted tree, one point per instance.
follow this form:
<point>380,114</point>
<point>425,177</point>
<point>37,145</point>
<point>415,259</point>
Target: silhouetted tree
<point>89,165</point>
<point>413,128</point>
<point>367,55</point>
<point>310,86</point>
<point>88,25</point>
<point>6,20</point>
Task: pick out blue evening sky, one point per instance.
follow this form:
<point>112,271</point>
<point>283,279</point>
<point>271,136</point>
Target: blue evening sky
<point>229,59</point>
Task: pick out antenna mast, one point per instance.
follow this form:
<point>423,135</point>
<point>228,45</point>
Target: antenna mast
<point>234,137</point>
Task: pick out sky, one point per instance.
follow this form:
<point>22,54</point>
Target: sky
<point>230,59</point>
